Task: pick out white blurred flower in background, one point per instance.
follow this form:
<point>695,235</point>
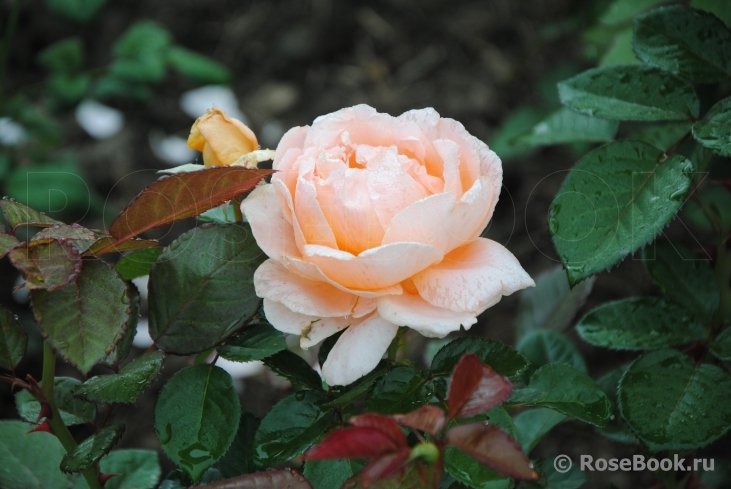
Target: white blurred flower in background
<point>98,120</point>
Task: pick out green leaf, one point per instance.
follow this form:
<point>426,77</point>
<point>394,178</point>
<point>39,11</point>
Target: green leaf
<point>551,304</point>
<point>295,369</point>
<point>137,469</point>
<point>402,390</point>
<point>48,266</point>
<point>201,288</point>
<point>620,51</point>
<point>292,426</point>
<point>568,391</point>
<point>256,342</point>
<point>499,356</point>
<point>112,86</point>
<point>721,346</point>
<point>183,195</point>
<point>92,449</point>
<point>67,90</point>
<point>683,277</point>
<point>630,93</point>
<point>196,417</point>
<point>542,347</point>
<point>30,461</point>
<point>714,131</point>
<point>238,459</point>
<point>13,340</point>
<point>122,348</point>
<point>568,126</point>
<point>518,122</point>
<point>79,237</point>
<point>674,403</point>
<point>127,385</point>
<point>694,44</point>
<point>197,67</point>
<point>359,388</point>
<point>662,135</point>
<point>137,263</point>
<point>469,471</point>
<point>533,424</point>
<point>329,474</point>
<point>616,429</point>
<point>640,323</point>
<point>7,243</point>
<point>64,56</point>
<point>81,11</point>
<point>86,318</point>
<point>616,199</point>
<point>17,214</point>
<point>58,188</point>
<point>73,411</point>
<point>143,36</point>
<point>625,10</point>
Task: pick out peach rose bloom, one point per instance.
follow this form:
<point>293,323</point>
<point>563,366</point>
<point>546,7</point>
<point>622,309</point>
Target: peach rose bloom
<point>373,222</point>
<point>223,140</point>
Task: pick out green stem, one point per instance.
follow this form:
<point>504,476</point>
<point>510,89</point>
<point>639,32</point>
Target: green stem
<point>5,48</point>
<point>59,428</point>
<point>394,346</point>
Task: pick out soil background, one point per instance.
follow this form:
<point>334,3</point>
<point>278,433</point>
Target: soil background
<point>293,60</point>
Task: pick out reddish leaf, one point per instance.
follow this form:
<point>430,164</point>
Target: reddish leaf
<point>7,243</point>
<point>427,418</point>
<point>355,442</point>
<point>476,388</point>
<point>385,467</point>
<point>47,266</point>
<point>80,237</point>
<point>17,214</point>
<point>110,245</point>
<point>183,195</point>
<point>491,446</point>
<point>382,423</point>
<point>271,479</point>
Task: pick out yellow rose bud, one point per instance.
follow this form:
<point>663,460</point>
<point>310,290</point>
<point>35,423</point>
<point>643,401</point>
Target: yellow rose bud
<point>221,139</point>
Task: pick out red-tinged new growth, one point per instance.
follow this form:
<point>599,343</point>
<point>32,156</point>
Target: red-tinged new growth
<point>475,388</point>
<point>44,427</point>
<point>103,478</point>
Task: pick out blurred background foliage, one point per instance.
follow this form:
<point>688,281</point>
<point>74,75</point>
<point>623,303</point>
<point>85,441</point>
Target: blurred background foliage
<point>96,96</point>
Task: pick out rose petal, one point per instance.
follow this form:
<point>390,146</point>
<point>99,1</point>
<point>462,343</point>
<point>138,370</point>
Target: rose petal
<point>347,206</point>
<point>272,281</point>
<point>310,217</point>
<point>472,277</point>
<point>390,187</point>
<point>284,319</point>
<point>374,268</point>
<point>358,350</point>
<point>449,152</point>
<point>323,328</point>
<point>272,232</point>
<point>312,272</point>
<point>441,221</point>
<point>413,311</point>
<point>294,138</point>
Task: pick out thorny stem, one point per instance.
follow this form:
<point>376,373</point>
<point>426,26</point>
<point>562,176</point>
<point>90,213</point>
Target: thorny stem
<point>238,215</point>
<point>59,428</point>
<point>5,48</point>
<point>677,145</point>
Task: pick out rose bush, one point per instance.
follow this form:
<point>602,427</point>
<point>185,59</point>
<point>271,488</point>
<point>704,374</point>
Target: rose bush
<point>373,222</point>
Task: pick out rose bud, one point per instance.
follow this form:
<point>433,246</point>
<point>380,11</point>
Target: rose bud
<point>222,139</point>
